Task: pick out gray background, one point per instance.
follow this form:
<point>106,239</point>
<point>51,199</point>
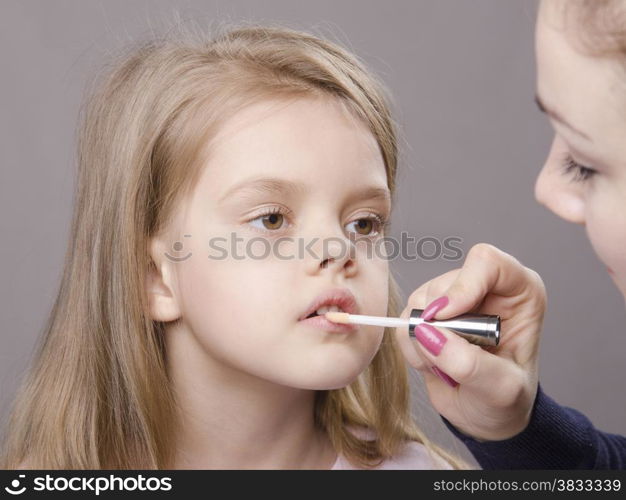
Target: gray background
<point>462,76</point>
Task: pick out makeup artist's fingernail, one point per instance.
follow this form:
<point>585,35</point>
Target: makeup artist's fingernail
<point>431,338</point>
<point>444,376</point>
<point>434,307</point>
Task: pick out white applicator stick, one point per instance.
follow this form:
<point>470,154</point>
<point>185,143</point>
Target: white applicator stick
<point>340,317</point>
<point>481,329</point>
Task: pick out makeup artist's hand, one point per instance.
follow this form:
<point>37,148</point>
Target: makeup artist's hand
<point>487,393</point>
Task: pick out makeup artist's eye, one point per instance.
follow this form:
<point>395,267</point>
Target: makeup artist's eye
<point>271,220</point>
<point>581,173</point>
<point>371,226</point>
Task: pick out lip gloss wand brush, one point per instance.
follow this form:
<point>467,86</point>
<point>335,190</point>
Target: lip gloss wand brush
<point>480,329</point>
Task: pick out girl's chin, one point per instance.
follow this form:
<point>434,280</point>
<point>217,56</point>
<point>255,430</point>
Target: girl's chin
<point>328,381</point>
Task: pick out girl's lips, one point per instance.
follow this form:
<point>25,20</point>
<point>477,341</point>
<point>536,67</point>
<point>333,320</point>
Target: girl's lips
<point>610,270</point>
<point>322,323</point>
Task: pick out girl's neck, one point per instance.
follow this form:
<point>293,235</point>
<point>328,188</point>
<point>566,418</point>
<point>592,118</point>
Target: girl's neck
<point>232,420</point>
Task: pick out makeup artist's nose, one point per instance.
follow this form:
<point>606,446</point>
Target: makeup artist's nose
<point>557,193</point>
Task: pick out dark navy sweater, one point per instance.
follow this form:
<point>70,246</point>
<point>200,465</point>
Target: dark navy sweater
<point>556,437</point>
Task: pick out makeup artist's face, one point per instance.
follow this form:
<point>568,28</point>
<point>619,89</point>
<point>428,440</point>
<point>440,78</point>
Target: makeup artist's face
<point>584,177</point>
<point>244,312</point>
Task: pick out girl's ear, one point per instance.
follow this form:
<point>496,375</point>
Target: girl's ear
<point>160,285</point>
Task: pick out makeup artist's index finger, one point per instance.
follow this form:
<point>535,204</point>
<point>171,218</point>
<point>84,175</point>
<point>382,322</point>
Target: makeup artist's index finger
<point>487,270</point>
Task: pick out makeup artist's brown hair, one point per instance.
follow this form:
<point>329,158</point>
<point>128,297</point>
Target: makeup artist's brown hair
<point>97,395</point>
<point>597,27</point>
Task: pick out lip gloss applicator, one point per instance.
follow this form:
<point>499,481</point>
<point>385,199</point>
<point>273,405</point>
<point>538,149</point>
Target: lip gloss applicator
<point>480,329</point>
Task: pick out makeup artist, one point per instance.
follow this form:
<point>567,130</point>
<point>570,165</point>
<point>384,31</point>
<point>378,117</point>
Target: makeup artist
<point>491,398</point>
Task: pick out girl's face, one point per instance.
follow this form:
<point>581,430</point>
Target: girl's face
<point>584,177</point>
<point>288,185</point>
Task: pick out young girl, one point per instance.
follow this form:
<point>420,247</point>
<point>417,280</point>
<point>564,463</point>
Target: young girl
<point>492,399</point>
<point>166,348</point>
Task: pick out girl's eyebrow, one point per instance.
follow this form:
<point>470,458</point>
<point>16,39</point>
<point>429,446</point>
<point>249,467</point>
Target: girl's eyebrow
<point>274,185</point>
<point>372,193</point>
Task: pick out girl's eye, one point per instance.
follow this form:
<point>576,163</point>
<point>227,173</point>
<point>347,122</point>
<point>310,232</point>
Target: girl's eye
<point>581,173</point>
<point>375,223</point>
<point>271,220</point>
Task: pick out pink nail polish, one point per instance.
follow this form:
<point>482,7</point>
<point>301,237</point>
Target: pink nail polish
<point>444,376</point>
<point>431,338</point>
<point>434,307</point>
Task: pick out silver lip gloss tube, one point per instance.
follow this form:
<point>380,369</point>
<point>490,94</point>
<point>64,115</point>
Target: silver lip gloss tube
<point>480,329</point>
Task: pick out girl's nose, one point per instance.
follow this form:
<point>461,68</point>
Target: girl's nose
<point>332,252</point>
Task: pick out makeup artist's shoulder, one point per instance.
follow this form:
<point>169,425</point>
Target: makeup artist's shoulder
<point>413,456</point>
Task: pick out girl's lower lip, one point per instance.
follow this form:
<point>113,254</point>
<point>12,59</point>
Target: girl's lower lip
<point>322,323</point>
<point>609,270</point>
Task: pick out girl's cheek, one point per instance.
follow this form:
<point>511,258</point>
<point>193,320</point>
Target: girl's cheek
<point>375,290</point>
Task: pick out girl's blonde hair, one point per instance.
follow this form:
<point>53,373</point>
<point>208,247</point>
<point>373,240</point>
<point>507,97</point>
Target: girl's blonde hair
<point>98,394</point>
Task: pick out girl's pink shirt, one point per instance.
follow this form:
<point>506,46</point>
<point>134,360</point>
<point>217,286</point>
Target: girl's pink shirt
<point>413,456</point>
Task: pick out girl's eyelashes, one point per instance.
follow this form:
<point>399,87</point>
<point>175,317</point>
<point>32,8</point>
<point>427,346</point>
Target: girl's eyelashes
<point>376,220</point>
<point>272,220</point>
<point>581,172</point>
